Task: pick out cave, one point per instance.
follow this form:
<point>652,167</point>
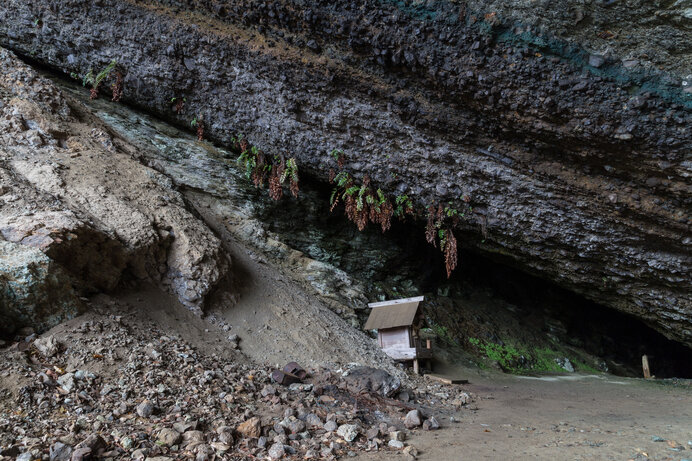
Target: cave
<point>200,201</point>
<point>617,338</point>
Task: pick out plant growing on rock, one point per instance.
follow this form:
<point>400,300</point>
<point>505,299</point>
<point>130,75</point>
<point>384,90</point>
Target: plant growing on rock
<point>338,155</point>
<point>258,168</point>
<point>179,104</point>
<point>248,158</point>
<point>95,80</point>
<point>439,227</point>
<point>197,123</point>
<point>291,173</point>
<point>361,203</point>
<point>404,206</point>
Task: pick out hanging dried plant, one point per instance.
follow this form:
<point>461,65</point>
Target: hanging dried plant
<point>117,87</point>
<point>179,105</point>
<point>386,213</point>
<point>430,230</point>
<point>450,251</point>
<point>259,171</point>
<point>275,189</point>
<point>294,187</point>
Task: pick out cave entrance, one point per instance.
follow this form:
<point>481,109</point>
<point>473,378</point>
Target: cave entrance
<point>486,303</point>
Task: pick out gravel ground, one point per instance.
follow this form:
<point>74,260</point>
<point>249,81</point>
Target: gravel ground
<point>117,383</point>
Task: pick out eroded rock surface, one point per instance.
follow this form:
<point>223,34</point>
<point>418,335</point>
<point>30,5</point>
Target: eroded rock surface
<point>76,193</point>
<point>575,160</point>
<point>33,290</point>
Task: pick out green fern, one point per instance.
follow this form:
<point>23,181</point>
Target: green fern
<point>95,81</point>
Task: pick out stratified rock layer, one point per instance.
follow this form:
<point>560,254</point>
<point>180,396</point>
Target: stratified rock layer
<point>577,167</point>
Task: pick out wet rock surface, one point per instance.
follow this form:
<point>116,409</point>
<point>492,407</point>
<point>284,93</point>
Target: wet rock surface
<point>571,173</point>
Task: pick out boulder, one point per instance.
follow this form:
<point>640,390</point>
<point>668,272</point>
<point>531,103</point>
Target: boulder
<point>34,290</point>
<point>413,419</point>
<point>368,379</point>
<point>47,346</point>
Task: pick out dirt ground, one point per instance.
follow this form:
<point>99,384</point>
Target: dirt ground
<point>575,417</point>
<point>567,417</point>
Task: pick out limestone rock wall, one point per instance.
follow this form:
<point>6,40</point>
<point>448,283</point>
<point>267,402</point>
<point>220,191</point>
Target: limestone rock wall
<point>575,160</point>
<point>76,195</point>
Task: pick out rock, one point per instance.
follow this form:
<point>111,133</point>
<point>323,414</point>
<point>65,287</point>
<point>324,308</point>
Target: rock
<point>656,438</point>
<point>268,390</point>
<point>468,66</point>
<point>67,382</point>
<point>226,437</point>
<point>330,426</point>
<point>431,424</point>
<point>252,428</point>
<point>34,290</point>
<point>313,420</point>
<point>145,409</point>
<point>159,458</point>
<point>565,364</point>
<point>397,435</point>
<point>396,444</point>
<point>168,437</point>
<point>368,379</point>
<point>60,452</point>
<point>295,425</point>
<point>198,436</point>
<point>140,453</point>
<point>127,443</point>
<point>372,433</point>
<point>262,442</point>
<point>220,447</point>
<point>26,456</point>
<point>301,387</point>
<point>48,346</point>
<point>413,419</point>
<point>94,442</point>
<point>80,454</point>
<point>183,427</point>
<point>411,451</point>
<point>276,451</point>
<point>596,60</point>
<point>348,432</point>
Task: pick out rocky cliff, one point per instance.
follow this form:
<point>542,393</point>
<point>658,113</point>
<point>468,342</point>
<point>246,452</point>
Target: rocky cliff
<point>571,157</point>
<point>79,214</point>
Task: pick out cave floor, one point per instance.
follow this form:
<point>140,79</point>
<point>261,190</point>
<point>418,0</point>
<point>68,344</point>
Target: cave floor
<point>575,417</point>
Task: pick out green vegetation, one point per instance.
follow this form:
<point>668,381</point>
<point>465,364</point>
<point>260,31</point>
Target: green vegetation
<point>404,205</point>
<point>95,81</point>
<point>518,359</point>
<point>442,333</point>
<point>248,158</point>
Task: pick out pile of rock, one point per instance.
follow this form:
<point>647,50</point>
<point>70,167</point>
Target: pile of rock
<point>111,388</point>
